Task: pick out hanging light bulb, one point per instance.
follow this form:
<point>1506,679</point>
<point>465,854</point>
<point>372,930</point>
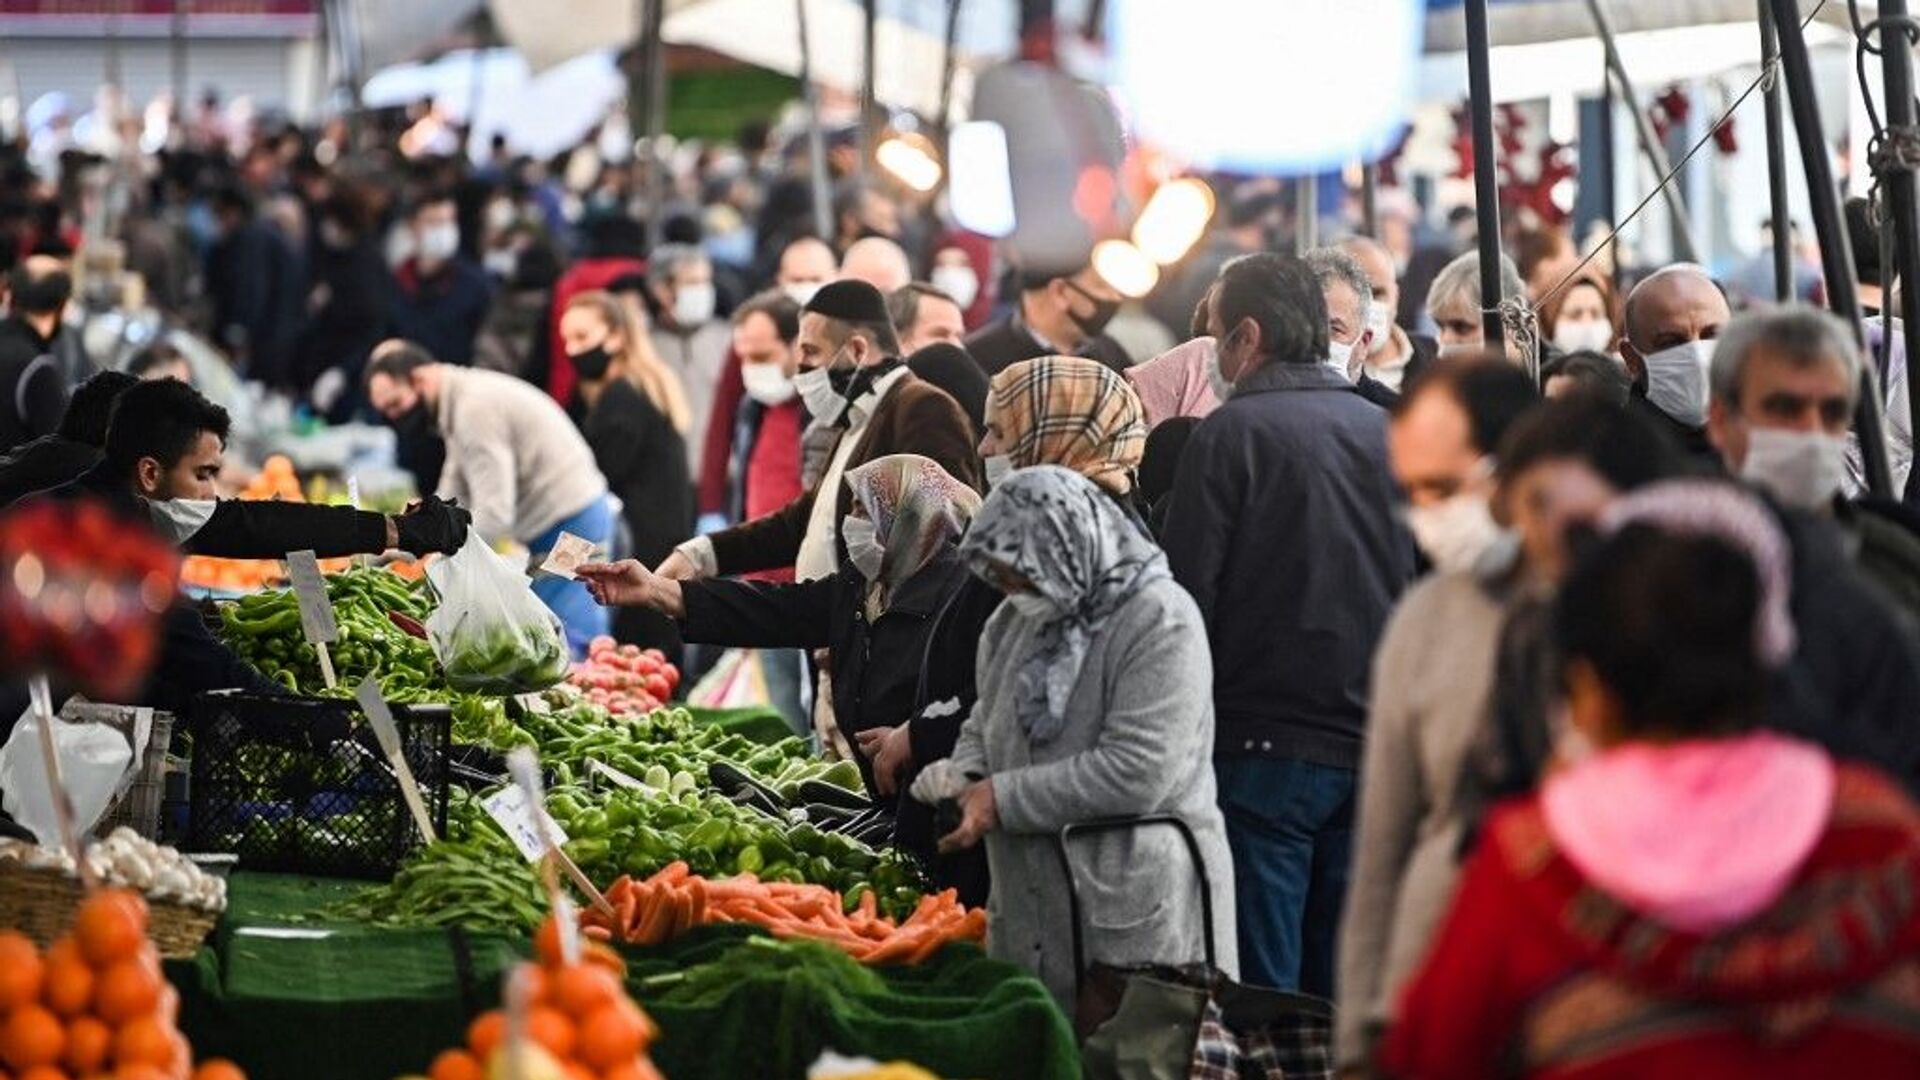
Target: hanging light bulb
<point>1174,220</point>
<point>911,159</point>
<point>1125,267</point>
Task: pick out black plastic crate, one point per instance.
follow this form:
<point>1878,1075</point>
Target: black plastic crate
<point>299,785</point>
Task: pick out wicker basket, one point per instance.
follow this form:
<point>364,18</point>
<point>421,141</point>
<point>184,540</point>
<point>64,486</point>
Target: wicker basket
<point>40,903</point>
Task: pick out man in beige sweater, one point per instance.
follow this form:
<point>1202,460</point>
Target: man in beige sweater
<point>513,458</point>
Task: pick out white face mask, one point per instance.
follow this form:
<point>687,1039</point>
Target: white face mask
<point>1378,321</point>
<point>438,243</point>
<point>1339,354</point>
<point>997,466</point>
<point>957,282</point>
<point>1033,606</point>
<point>1216,379</point>
<point>1677,381</point>
<point>693,304</point>
<point>1803,469</point>
<point>1592,335</point>
<point>800,291</point>
<point>767,384</point>
<point>501,262</point>
<point>863,547</point>
<point>1454,532</point>
<point>823,402</point>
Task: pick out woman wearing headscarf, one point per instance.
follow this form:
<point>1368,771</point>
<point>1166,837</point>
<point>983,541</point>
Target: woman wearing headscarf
<point>1095,703</point>
<point>1687,895</point>
<point>1175,384</point>
<point>873,615</point>
<point>1070,412</point>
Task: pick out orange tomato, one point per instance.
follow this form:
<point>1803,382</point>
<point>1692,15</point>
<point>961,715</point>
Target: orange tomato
<point>140,1070</point>
<point>31,1036</point>
<point>21,971</point>
<point>218,1069</point>
<point>611,1034</point>
<point>88,1042</point>
<point>69,981</point>
<point>454,1065</point>
<point>125,991</point>
<point>486,1031</point>
<point>111,926</point>
<point>551,1029</point>
<point>143,1039</point>
<point>579,990</point>
<point>43,1072</point>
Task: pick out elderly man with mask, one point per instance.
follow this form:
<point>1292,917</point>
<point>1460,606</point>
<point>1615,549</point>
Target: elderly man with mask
<point>1350,308</point>
<point>1672,317</point>
<point>877,261</point>
<point>1784,384</point>
<point>687,337</point>
<point>1453,301</point>
<point>805,264</point>
<point>1394,357</point>
<point>852,382</point>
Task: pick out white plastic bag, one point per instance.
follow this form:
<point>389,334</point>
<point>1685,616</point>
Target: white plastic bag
<point>96,764</point>
<point>736,682</point>
<point>491,633</point>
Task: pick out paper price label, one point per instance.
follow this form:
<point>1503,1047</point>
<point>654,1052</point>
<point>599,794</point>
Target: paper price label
<point>353,490</point>
<point>388,735</point>
<point>531,703</point>
<point>510,810</point>
<point>310,589</point>
<point>615,776</point>
<point>568,553</point>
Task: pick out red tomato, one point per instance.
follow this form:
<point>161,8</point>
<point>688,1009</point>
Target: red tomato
<point>671,673</point>
<point>658,687</point>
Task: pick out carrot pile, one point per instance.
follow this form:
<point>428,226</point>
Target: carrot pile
<point>674,901</point>
<point>579,1022</point>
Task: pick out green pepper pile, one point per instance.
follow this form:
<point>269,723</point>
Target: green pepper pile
<point>671,740</point>
<point>264,628</point>
<point>505,659</point>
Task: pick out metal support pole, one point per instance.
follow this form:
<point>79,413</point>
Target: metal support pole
<point>657,186</point>
<point>177,54</point>
<point>1306,213</point>
<point>1776,166</point>
<point>948,54</point>
<point>1903,196</point>
<point>869,20</point>
<point>1370,198</point>
<point>1836,254</point>
<point>1643,128</point>
<point>816,142</point>
<point>1486,188</point>
<point>1609,173</point>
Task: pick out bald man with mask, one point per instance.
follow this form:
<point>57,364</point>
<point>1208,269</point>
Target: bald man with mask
<point>1673,317</point>
<point>1395,357</point>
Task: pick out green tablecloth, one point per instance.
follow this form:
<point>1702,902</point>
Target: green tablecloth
<point>293,999</point>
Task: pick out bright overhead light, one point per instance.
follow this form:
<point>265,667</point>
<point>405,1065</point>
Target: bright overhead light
<point>1174,220</point>
<point>911,159</point>
<point>1124,267</point>
<point>981,190</point>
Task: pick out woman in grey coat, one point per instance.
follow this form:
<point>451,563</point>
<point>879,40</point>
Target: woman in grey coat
<point>1095,702</point>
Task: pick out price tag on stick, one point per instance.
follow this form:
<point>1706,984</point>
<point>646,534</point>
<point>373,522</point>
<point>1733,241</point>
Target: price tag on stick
<point>385,730</point>
<point>525,769</point>
<point>511,811</point>
<point>316,610</point>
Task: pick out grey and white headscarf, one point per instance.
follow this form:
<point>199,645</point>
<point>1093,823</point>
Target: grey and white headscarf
<point>1067,537</point>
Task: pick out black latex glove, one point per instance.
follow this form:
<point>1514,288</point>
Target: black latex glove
<point>432,525</point>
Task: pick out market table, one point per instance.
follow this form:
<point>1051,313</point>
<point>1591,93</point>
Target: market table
<point>294,998</point>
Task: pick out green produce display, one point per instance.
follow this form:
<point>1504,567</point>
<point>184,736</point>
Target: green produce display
<point>264,628</point>
<point>671,740</point>
<point>505,659</point>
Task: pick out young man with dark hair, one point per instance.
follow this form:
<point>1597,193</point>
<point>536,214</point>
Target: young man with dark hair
<point>33,392</point>
<point>1284,526</point>
<point>1057,314</point>
<point>57,458</point>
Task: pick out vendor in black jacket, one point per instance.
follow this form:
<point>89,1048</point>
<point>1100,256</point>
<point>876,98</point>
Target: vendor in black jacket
<point>163,451</point>
<point>874,616</point>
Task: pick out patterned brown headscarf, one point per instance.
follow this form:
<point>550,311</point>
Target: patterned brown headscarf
<point>1070,412</point>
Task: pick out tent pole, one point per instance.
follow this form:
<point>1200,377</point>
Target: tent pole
<point>177,54</point>
<point>869,20</point>
<point>1608,171</point>
<point>1643,129</point>
<point>1782,223</point>
<point>1306,216</point>
<point>1836,254</point>
<point>1370,198</point>
<point>656,74</point>
<point>1486,189</point>
<point>947,56</point>
<point>1903,199</point>
<point>816,142</point>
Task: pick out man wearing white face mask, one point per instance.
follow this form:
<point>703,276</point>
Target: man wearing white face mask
<point>1349,296</point>
<point>687,336</point>
<point>805,265</point>
<point>1672,317</point>
<point>1784,385</point>
<point>1394,357</point>
<point>442,299</point>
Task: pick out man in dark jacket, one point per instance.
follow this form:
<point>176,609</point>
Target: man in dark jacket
<point>1056,315</point>
<point>33,392</point>
<point>1283,526</point>
<point>257,284</point>
<point>51,460</point>
<point>1672,317</point>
